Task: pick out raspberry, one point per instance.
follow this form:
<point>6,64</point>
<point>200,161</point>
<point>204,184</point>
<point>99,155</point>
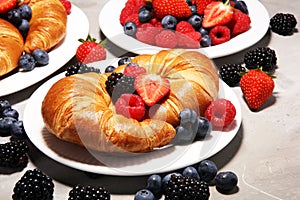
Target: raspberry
<point>219,34</point>
<point>134,71</point>
<point>166,39</point>
<point>239,23</point>
<point>220,112</point>
<point>134,17</point>
<point>131,106</point>
<point>126,12</point>
<point>147,35</point>
<point>136,3</point>
<point>67,4</point>
<point>184,27</point>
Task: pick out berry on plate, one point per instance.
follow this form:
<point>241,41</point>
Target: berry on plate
<point>67,5</point>
<point>90,51</point>
<point>239,23</point>
<point>6,5</point>
<point>219,34</point>
<point>166,39</point>
<point>151,87</point>
<point>134,71</point>
<point>176,8</point>
<point>201,5</point>
<point>257,86</point>
<point>217,13</point>
<point>221,112</point>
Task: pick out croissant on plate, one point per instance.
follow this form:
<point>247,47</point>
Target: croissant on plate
<point>78,108</point>
<point>11,46</point>
<point>47,25</point>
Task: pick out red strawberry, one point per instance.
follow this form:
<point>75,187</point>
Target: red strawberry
<point>166,39</point>
<point>176,8</point>
<point>201,5</point>
<point>6,5</point>
<point>67,4</point>
<point>220,112</point>
<point>151,88</point>
<point>134,71</point>
<point>219,34</point>
<point>217,13</point>
<point>257,87</point>
<point>239,23</point>
<point>90,51</point>
<point>131,106</point>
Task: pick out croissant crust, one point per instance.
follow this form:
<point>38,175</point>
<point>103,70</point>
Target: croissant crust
<point>78,108</point>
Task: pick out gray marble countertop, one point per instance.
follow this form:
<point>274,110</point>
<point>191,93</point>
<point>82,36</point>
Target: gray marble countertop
<point>264,153</point>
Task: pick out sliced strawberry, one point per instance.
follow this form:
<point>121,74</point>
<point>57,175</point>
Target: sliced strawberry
<point>217,13</point>
<point>134,71</point>
<point>6,5</point>
<point>151,88</point>
<point>176,8</point>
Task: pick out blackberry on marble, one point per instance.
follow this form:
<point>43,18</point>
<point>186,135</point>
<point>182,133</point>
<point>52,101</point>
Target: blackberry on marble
<point>231,73</point>
<point>186,188</point>
<point>13,156</point>
<point>80,192</point>
<point>264,57</point>
<point>283,23</point>
<point>34,185</point>
<point>80,68</point>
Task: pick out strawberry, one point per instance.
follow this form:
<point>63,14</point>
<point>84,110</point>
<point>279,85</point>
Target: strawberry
<point>67,4</point>
<point>90,51</point>
<point>176,8</point>
<point>6,5</point>
<point>257,86</point>
<point>131,106</point>
<point>166,39</point>
<point>151,88</point>
<point>239,23</point>
<point>217,13</point>
<point>201,5</point>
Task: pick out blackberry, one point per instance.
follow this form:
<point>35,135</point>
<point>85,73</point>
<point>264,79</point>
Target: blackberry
<point>80,68</point>
<point>283,23</point>
<point>13,156</point>
<point>80,192</point>
<point>231,73</point>
<point>264,57</point>
<point>118,84</point>
<point>34,185</point>
<point>186,188</point>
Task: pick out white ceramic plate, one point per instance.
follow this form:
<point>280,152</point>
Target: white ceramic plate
<point>113,30</point>
<point>77,27</point>
<point>160,160</point>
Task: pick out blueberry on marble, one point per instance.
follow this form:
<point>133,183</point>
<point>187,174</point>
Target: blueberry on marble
<point>144,194</point>
<point>41,57</point>
<point>169,22</point>
<point>195,21</point>
<point>191,172</point>
<point>26,62</point>
<point>130,28</point>
<point>207,170</point>
<point>226,181</point>
<point>154,183</point>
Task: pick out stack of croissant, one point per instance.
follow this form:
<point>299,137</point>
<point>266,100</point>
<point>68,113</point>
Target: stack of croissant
<point>47,28</point>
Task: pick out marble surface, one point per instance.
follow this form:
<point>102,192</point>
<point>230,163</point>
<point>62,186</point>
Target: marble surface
<point>264,154</point>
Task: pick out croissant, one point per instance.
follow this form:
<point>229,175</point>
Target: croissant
<point>47,25</point>
<point>78,109</point>
<point>11,47</point>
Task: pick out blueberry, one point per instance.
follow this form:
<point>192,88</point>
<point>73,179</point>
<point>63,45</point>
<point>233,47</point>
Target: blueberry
<point>123,60</point>
<point>154,183</point>
<point>188,118</point>
<point>131,64</point>
<point>144,15</point>
<point>183,136</point>
<point>144,194</point>
<point>9,112</point>
<point>205,41</point>
<point>17,130</point>
<point>207,170</point>
<point>5,124</point>
<point>41,57</point>
<point>24,27</point>
<point>195,21</point>
<point>109,69</point>
<point>169,22</point>
<point>203,31</point>
<point>191,172</point>
<point>130,28</point>
<point>148,7</point>
<point>25,11</point>
<point>226,181</point>
<point>14,17</point>
<point>189,2</point>
<point>204,128</point>
<point>26,62</point>
<point>193,9</point>
<point>241,5</point>
<point>4,104</point>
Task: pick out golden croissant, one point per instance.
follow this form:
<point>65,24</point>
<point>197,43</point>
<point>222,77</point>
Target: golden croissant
<point>11,47</point>
<point>78,109</point>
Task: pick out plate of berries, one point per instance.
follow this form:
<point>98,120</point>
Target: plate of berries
<point>214,134</point>
<point>215,28</point>
<point>19,79</point>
